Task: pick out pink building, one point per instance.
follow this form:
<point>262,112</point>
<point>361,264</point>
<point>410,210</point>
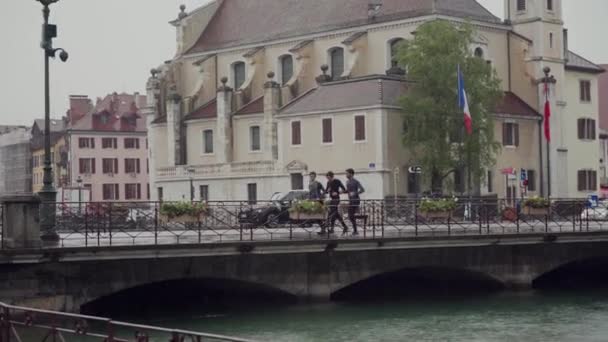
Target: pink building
<point>603,99</point>
<point>108,147</point>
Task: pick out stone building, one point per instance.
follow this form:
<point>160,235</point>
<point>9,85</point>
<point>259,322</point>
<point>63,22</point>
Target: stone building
<point>15,160</point>
<point>245,108</point>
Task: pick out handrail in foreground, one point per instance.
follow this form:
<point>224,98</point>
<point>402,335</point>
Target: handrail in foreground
<point>56,326</point>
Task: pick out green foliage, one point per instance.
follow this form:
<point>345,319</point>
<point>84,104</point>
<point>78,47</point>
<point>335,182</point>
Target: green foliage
<point>537,202</point>
<point>176,209</point>
<point>434,122</point>
<point>307,207</point>
<point>428,205</point>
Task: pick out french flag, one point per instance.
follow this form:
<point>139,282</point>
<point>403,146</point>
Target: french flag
<point>464,103</point>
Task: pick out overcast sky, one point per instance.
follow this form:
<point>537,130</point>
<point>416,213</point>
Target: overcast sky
<point>114,43</point>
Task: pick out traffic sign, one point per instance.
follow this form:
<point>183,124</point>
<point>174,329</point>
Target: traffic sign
<point>415,170</point>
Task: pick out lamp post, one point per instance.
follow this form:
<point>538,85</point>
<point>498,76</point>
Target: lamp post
<point>546,81</point>
<point>79,182</point>
<point>191,172</point>
<point>48,193</point>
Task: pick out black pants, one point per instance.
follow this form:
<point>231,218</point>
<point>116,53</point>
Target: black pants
<point>353,209</point>
<point>334,215</point>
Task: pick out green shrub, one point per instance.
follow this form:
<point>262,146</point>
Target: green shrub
<point>307,207</point>
<point>537,202</point>
<point>175,209</point>
<point>429,205</point>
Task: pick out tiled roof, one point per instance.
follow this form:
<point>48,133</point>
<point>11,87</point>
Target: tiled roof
<point>57,125</point>
<point>206,111</point>
<point>254,107</point>
<point>114,113</point>
<point>512,104</point>
<point>577,62</point>
<point>241,22</point>
<point>360,92</point>
<point>160,120</point>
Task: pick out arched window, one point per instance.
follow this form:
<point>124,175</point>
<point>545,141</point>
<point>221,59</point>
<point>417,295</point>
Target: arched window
<point>286,63</point>
<point>238,72</point>
<point>336,56</point>
<point>479,52</point>
<point>394,45</point>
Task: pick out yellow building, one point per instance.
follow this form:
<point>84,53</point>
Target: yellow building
<point>58,154</point>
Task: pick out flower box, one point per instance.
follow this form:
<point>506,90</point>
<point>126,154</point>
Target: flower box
<point>185,219</point>
<point>297,216</point>
<point>436,215</point>
<point>530,211</point>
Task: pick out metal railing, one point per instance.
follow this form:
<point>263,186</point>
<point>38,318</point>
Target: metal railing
<point>21,324</point>
<point>113,224</point>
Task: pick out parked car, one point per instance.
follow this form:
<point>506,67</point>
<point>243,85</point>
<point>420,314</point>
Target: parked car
<point>273,213</point>
<point>598,213</point>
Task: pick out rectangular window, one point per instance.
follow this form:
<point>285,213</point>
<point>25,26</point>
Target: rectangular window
<point>132,191</point>
<point>204,192</point>
<point>521,5</point>
<point>490,181</point>
<point>252,193</point>
<point>109,165</point>
<point>107,143</point>
<point>132,165</point>
<point>160,194</point>
<point>254,132</point>
<point>208,141</point>
<point>531,180</point>
<point>296,133</point>
<point>586,129</point>
<point>360,128</point>
<point>111,192</point>
<point>328,137</point>
<point>297,181</point>
<point>585,90</point>
<point>131,143</point>
<point>86,165</point>
<point>587,180</point>
<point>86,142</point>
<point>510,134</point>
<point>550,5</point>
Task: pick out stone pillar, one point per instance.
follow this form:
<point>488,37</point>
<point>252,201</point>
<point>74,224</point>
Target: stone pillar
<point>224,123</point>
<point>174,127</point>
<point>272,103</point>
<point>21,221</point>
<point>151,113</point>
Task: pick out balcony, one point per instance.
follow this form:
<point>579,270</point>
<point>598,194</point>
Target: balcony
<point>215,170</point>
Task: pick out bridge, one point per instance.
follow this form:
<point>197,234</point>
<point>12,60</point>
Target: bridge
<point>104,260</point>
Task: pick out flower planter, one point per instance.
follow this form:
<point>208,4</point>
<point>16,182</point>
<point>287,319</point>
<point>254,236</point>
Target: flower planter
<point>297,216</point>
<point>530,211</point>
<point>437,215</point>
<point>185,219</point>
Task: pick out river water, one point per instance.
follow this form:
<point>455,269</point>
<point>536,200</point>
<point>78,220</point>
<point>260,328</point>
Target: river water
<point>505,316</point>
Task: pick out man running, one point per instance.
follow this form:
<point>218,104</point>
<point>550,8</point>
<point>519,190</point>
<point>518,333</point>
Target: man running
<point>355,189</point>
<point>334,188</point>
<point>316,192</point>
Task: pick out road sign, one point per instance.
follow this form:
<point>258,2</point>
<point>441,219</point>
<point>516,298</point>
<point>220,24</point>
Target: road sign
<point>415,170</point>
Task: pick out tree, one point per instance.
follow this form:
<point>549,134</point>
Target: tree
<point>434,123</point>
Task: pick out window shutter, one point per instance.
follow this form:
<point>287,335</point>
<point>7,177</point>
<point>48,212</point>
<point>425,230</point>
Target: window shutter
<point>582,90</point>
<point>592,128</point>
<point>296,133</point>
<point>137,144</point>
<point>505,131</point>
<point>593,180</point>
<point>93,165</point>
<point>138,166</point>
<point>92,142</point>
<point>359,128</point>
<point>115,165</point>
<point>138,191</point>
<point>327,131</point>
<point>516,134</point>
<point>581,181</point>
<point>116,191</point>
<point>581,128</point>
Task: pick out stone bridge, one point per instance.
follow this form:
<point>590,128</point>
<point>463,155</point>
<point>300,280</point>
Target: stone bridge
<point>66,279</point>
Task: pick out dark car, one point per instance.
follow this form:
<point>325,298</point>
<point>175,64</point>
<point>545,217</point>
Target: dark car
<point>273,213</point>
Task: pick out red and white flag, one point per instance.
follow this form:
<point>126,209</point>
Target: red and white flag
<point>464,103</point>
<point>547,120</point>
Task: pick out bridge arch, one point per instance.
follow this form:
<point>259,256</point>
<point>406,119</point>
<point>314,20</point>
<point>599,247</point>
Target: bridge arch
<point>579,273</point>
<point>414,280</point>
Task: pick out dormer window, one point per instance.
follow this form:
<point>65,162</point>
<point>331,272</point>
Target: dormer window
<point>336,56</point>
<point>104,118</point>
<point>286,63</point>
<point>238,71</point>
<point>521,5</point>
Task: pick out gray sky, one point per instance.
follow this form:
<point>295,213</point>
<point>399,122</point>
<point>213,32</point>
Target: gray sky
<point>114,43</point>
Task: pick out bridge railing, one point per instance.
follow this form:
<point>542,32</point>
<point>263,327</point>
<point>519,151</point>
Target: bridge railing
<point>124,223</point>
<point>19,324</point>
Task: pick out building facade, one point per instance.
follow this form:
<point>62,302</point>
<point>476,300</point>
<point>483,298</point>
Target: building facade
<point>15,160</point>
<point>249,106</point>
<point>108,147</point>
<point>59,154</point>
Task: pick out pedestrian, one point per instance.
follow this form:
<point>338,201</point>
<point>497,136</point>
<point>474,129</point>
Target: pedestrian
<point>354,189</point>
<point>316,192</point>
<point>334,189</point>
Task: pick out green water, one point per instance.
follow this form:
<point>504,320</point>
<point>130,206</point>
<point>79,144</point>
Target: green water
<point>528,316</point>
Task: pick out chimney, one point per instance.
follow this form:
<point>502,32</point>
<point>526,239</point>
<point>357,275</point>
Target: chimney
<point>566,48</point>
<point>272,103</point>
<point>80,105</point>
<point>224,122</point>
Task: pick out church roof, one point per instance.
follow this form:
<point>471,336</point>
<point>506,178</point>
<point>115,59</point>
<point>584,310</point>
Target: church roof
<point>512,104</point>
<point>206,111</point>
<point>242,22</point>
<point>254,107</point>
<point>366,91</point>
<point>579,63</point>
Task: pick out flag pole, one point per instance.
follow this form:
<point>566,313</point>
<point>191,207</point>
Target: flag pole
<point>547,70</point>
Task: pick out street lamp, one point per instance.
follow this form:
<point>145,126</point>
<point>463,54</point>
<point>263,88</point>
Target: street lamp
<point>48,193</point>
<point>546,81</point>
<point>191,172</point>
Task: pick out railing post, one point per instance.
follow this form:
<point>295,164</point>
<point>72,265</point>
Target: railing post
<point>574,211</point>
<point>86,227</point>
<point>156,223</point>
<point>480,216</point>
<point>416,217</point>
<point>382,217</point>
<point>110,222</point>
